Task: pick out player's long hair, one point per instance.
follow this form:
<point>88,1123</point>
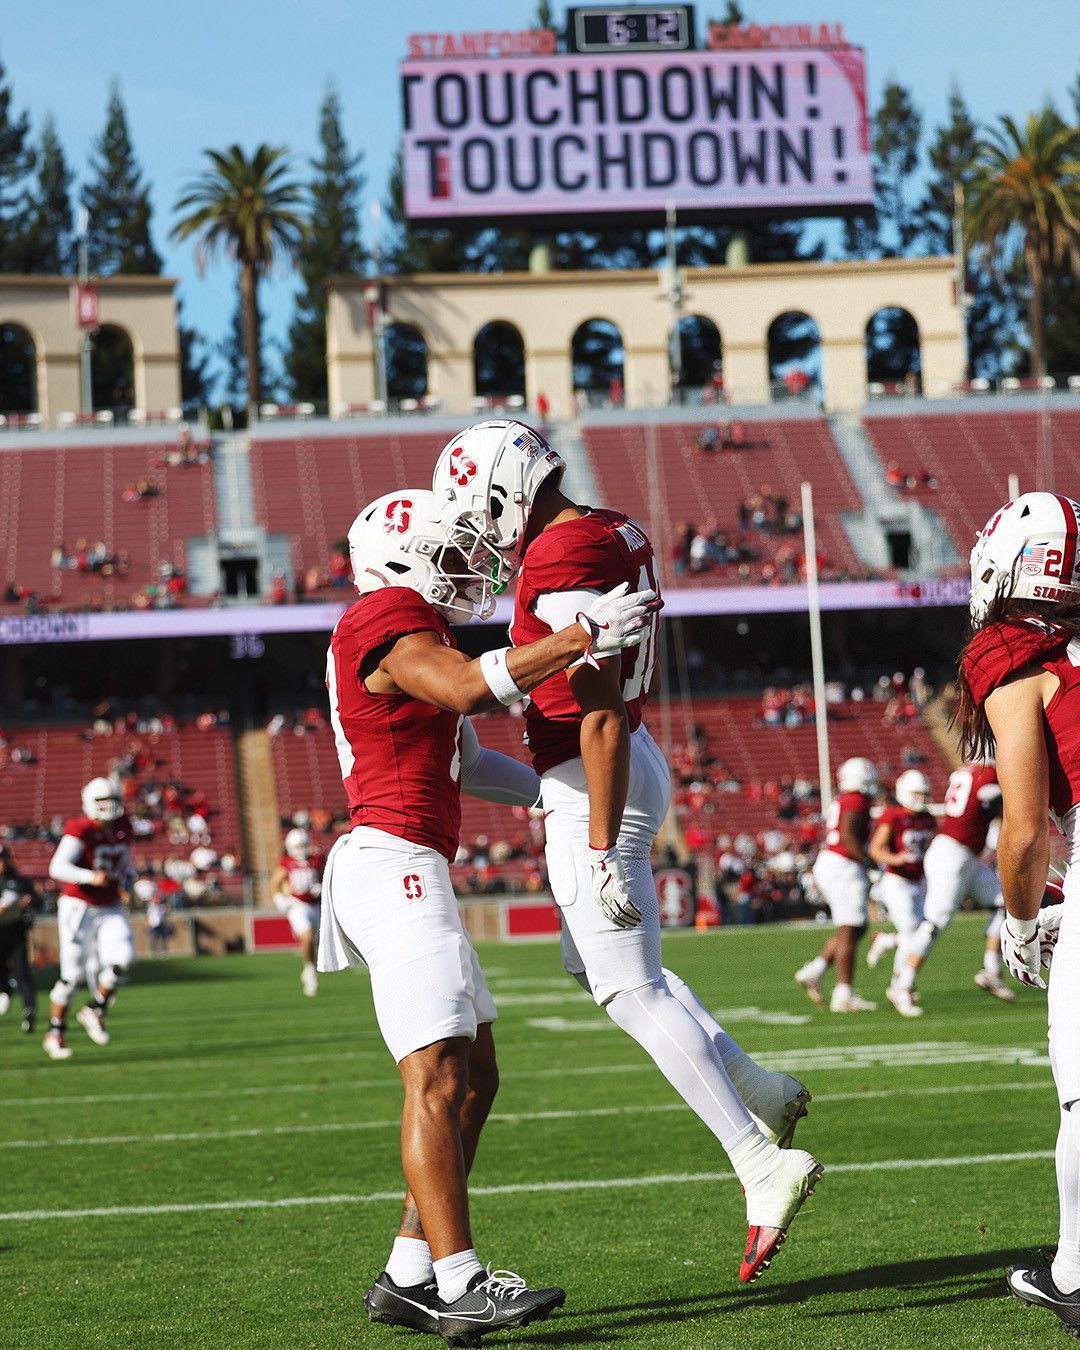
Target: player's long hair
<point>969,719</point>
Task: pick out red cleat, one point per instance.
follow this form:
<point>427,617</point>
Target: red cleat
<point>799,1174</point>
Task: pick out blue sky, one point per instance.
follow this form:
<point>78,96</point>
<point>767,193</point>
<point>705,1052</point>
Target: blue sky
<point>207,73</point>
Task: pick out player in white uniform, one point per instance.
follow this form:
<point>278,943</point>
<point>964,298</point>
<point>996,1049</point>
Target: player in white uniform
<point>296,886</point>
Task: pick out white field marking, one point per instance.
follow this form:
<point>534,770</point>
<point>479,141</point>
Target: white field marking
<point>784,1061</point>
<point>498,1117</point>
<point>519,1188</point>
<point>725,1016</point>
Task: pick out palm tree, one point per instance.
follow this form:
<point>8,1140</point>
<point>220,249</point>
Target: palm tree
<point>1024,198</point>
<point>245,206</point>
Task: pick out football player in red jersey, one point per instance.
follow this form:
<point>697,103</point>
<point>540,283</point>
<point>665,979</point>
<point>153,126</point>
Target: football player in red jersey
<point>955,869</point>
<point>92,862</point>
<point>400,697</point>
<point>1020,702</point>
<point>606,791</point>
<point>840,874</point>
<point>898,845</point>
<point>296,886</point>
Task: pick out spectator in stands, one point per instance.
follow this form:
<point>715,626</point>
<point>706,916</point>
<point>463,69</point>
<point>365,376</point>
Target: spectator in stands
<point>340,567</point>
<point>680,549</point>
<point>279,592</point>
<point>707,439</point>
<point>543,407</point>
<point>796,382</point>
<point>615,391</point>
<point>140,491</point>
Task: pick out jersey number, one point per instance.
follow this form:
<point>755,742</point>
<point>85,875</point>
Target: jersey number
<point>958,794</point>
<point>641,676</point>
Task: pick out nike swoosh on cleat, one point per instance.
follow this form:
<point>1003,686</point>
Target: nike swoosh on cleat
<point>489,1314</point>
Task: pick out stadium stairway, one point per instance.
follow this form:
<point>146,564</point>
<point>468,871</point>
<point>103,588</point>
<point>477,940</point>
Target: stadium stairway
<point>259,815</point>
<point>885,515</point>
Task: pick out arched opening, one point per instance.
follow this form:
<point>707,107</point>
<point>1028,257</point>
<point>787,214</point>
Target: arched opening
<point>18,370</point>
<point>701,354</point>
<point>893,359</point>
<point>499,362</point>
<point>596,353</point>
<point>795,356</point>
<point>112,370</point>
<point>406,361</point>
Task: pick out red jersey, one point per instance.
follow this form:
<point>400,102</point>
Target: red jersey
<point>847,804</point>
<point>400,758</point>
<point>998,650</point>
<point>304,879</point>
<point>909,833</point>
<point>972,800</point>
<point>106,847</point>
<point>596,552</point>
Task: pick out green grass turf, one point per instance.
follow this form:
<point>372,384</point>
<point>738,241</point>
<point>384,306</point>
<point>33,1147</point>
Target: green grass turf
<point>882,1259</point>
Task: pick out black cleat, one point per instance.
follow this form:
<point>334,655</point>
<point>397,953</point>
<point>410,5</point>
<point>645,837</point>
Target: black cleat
<point>398,1305</point>
<point>494,1301</point>
<point>1035,1285</point>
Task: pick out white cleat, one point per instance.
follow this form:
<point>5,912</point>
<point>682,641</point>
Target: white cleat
<point>880,943</point>
<point>54,1046</point>
<point>771,1207</point>
<point>93,1024</point>
<point>811,987</point>
<point>903,1000</point>
<point>779,1121</point>
<point>5,1003</point>
<point>309,981</point>
<point>996,986</point>
<point>852,1003</point>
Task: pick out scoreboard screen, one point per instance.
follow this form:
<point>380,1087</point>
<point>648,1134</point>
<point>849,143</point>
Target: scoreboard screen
<point>618,29</point>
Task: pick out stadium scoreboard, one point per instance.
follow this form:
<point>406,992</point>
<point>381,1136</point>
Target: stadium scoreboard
<point>623,114</point>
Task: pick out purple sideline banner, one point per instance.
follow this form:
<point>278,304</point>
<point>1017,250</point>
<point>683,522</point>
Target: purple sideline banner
<point>563,136</point>
<point>269,619</point>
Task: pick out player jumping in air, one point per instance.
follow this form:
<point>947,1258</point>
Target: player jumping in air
<point>1020,700</point>
<point>606,791</point>
<point>296,886</point>
<point>840,874</point>
<point>92,862</point>
<point>400,697</point>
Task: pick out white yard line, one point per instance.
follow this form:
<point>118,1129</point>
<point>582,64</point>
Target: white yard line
<point>498,1117</point>
<point>522,1188</point>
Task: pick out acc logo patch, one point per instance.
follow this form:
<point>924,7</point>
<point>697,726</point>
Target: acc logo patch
<point>398,517</point>
<point>462,468</point>
<point>413,886</point>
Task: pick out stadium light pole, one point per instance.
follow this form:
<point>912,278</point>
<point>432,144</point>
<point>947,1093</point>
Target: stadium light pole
<point>817,660</point>
<point>963,300</point>
<point>86,385</point>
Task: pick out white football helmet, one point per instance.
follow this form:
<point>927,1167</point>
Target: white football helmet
<point>913,790</point>
<point>485,483</point>
<point>1027,551</point>
<point>298,845</point>
<point>101,800</point>
<point>396,540</point>
<point>857,775</point>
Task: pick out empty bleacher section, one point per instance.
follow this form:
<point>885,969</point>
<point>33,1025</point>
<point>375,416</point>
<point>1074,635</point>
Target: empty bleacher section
<point>46,790</point>
<point>70,499</point>
<point>659,473</point>
<point>970,453</point>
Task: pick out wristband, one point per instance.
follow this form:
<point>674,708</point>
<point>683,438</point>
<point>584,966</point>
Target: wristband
<point>1023,929</point>
<point>495,671</point>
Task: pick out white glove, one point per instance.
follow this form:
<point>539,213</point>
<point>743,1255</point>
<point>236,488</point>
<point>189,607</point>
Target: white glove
<point>609,887</point>
<point>1020,950</point>
<point>617,620</point>
<point>1049,927</point>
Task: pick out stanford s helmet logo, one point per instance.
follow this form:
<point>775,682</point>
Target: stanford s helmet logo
<point>398,517</point>
<point>462,468</point>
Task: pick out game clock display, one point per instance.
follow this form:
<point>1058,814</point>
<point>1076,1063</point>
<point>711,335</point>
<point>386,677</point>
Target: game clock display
<point>649,29</point>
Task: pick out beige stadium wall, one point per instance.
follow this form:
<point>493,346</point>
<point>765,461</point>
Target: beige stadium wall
<point>144,307</point>
<point>547,308</point>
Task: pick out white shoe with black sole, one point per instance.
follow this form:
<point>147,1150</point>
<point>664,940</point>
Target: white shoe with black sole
<point>494,1301</point>
<point>1035,1286</point>
<point>397,1305</point>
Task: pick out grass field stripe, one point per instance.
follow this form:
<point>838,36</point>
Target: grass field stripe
<point>520,1188</point>
<point>498,1117</point>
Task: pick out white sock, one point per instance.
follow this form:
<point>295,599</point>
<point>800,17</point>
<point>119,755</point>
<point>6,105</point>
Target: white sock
<point>900,959</point>
<point>842,991</point>
<point>813,970</point>
<point>685,1054</point>
<point>753,1157</point>
<point>409,1262</point>
<point>704,1018</point>
<point>1066,1265</point>
<point>453,1274</point>
<point>992,964</point>
<point>923,939</point>
<point>904,978</point>
<point>309,965</point>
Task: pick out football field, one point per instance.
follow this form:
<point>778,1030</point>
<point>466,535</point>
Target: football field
<point>226,1173</point>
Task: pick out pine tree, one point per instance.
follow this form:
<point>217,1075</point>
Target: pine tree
<point>16,162</point>
<point>333,248</point>
<point>897,128</point>
<point>48,243</point>
<point>118,202</point>
<point>951,154</point>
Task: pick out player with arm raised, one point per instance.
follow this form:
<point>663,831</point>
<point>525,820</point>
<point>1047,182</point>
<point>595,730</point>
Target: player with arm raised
<point>606,791</point>
<point>296,885</point>
<point>400,697</point>
<point>840,874</point>
<point>1020,701</point>
<point>92,862</point>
